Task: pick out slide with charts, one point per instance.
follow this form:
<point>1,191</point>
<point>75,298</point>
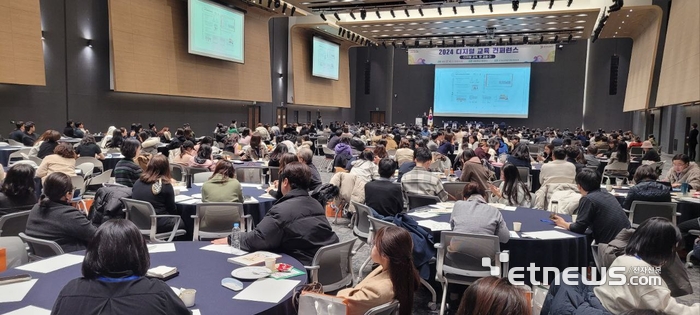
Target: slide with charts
<point>215,31</point>
<point>326,57</point>
<point>497,90</point>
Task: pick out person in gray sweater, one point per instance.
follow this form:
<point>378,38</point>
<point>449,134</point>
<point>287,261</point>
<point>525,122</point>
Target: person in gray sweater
<point>54,219</point>
<point>473,215</point>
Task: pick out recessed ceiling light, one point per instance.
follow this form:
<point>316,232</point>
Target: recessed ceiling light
<point>438,22</point>
<point>375,31</point>
<point>623,22</point>
<point>550,17</point>
<point>383,35</point>
<point>550,23</point>
<point>414,23</point>
<point>582,14</point>
<point>579,27</point>
<point>522,24</point>
<point>630,10</point>
<point>551,28</point>
<point>388,24</point>
<point>580,21</point>
<point>619,28</point>
<point>577,36</point>
<point>522,18</point>
<point>628,15</point>
<point>525,29</point>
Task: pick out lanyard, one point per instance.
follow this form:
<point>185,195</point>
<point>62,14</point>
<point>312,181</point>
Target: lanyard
<point>124,279</point>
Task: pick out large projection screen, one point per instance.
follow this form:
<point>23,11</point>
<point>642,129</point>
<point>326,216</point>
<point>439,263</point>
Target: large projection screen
<point>215,31</point>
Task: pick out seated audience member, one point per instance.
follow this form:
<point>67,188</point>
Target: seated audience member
<point>62,161</point>
<point>494,146</point>
<point>475,216</point>
<point>17,190</point>
<point>684,171</point>
<point>18,133</point>
<point>222,186</point>
<point>29,134</point>
<point>89,148</point>
<point>306,156</point>
<point>395,279</point>
<point>590,156</point>
<point>49,145</point>
<point>364,167</point>
<point>621,154</point>
<point>597,210</point>
<point>447,147</point>
<point>116,141</point>
<point>646,188</point>
<point>295,225</point>
<point>651,246</point>
<point>203,158</point>
<point>557,168</point>
<point>512,191</point>
<point>276,154</point>
<point>636,143</point>
<point>380,194</point>
<point>473,170</point>
<point>649,153</point>
<point>114,278</point>
<point>69,131</point>
<point>155,187</point>
<point>34,151</point>
<point>187,152</point>
<point>148,144</point>
<point>420,180</point>
<point>572,153</point>
<point>380,152</point>
<point>244,139</point>
<point>275,189</point>
<point>256,150</point>
<point>390,142</point>
<point>79,131</point>
<point>493,296</point>
<point>547,154</point>
<point>335,139</point>
<point>520,156</point>
<point>127,172</point>
<point>404,153</point>
<point>481,151</point>
<point>54,219</point>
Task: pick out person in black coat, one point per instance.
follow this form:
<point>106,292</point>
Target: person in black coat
<point>649,153</point>
<point>69,131</point>
<point>381,195</point>
<point>154,186</point>
<point>295,225</point>
<point>18,133</point>
<point>54,219</point>
<point>17,190</point>
<point>114,278</point>
<point>647,188</point>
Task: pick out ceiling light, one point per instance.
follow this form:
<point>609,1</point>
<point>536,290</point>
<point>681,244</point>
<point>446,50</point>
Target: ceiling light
<point>392,13</point>
<point>294,9</point>
<point>439,11</point>
<point>430,43</point>
<point>384,44</point>
<point>541,39</point>
<point>378,16</point>
<point>551,4</point>
<point>322,16</point>
<point>337,17</point>
<point>403,44</point>
<point>363,14</point>
<point>284,8</point>
<point>510,40</point>
<point>340,32</point>
<point>43,35</point>
<point>516,5</point>
<point>406,11</point>
<point>500,41</point>
<point>490,8</point>
<point>472,8</point>
<point>393,44</point>
<point>420,11</point>
<point>556,38</point>
<point>89,43</point>
<point>269,3</point>
<point>525,39</point>
<point>570,37</point>
<point>568,4</point>
<point>534,4</point>
<point>477,41</point>
<point>416,43</point>
<point>352,15</point>
<point>454,9</point>
<point>278,3</point>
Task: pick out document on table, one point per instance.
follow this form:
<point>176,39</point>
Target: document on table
<point>509,208</point>
<point>199,184</point>
<point>439,209</point>
<point>15,292</point>
<point>266,195</point>
<point>423,215</point>
<point>435,226</point>
<point>192,201</point>
<point>547,235</point>
<point>30,310</point>
<point>181,198</point>
<point>196,312</point>
<point>251,200</point>
<point>161,248</point>
<point>224,249</point>
<point>514,234</point>
<point>52,264</point>
<point>251,185</point>
<point>267,290</point>
<point>197,196</point>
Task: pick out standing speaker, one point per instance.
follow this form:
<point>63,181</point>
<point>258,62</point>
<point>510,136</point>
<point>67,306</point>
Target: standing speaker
<point>614,65</point>
<point>367,76</point>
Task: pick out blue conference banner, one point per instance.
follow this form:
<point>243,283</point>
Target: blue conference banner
<point>481,55</point>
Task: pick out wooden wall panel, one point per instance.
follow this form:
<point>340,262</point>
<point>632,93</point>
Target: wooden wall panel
<point>149,49</point>
<point>679,81</point>
<point>310,90</point>
<point>642,61</point>
<point>21,47</point>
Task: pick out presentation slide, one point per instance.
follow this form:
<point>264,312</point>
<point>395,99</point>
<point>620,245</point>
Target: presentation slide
<point>497,90</point>
<point>326,59</point>
<point>215,31</point>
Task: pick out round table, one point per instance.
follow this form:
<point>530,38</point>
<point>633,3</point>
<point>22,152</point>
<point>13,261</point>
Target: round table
<point>558,253</point>
<point>688,207</point>
<point>256,209</point>
<point>534,173</point>
<point>5,154</point>
<point>201,270</point>
<point>110,161</point>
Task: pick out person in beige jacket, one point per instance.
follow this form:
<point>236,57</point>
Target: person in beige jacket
<point>62,160</point>
<point>395,279</point>
<point>684,171</point>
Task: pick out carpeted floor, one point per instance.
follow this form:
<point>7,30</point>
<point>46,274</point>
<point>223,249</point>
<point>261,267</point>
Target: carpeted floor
<point>422,297</point>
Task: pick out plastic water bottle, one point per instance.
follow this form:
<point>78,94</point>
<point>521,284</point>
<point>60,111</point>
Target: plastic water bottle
<point>235,238</point>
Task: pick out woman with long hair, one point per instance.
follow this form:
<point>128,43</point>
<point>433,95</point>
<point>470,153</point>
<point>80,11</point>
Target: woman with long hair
<point>17,190</point>
<point>54,219</point>
<point>222,186</point>
<point>395,278</point>
<point>88,147</point>
<point>275,188</point>
<point>520,156</point>
<point>186,154</point>
<point>203,158</point>
<point>621,154</point>
<point>62,161</point>
<point>404,153</point>
<point>546,156</point>
<point>651,246</point>
<point>512,191</point>
<point>380,152</point>
<point>493,296</point>
<point>34,151</point>
<point>365,166</point>
<point>49,144</point>
<point>155,187</point>
<point>117,139</point>
<point>256,150</point>
<point>114,278</point>
<point>473,170</point>
<point>276,154</point>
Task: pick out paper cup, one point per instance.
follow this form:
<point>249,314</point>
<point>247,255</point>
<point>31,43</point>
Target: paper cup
<point>516,226</point>
<point>573,217</point>
<point>187,297</point>
<point>270,264</point>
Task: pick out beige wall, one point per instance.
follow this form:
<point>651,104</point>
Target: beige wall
<point>680,69</point>
<point>310,90</point>
<point>149,49</point>
<point>21,47</point>
<point>642,62</point>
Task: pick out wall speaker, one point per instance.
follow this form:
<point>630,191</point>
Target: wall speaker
<point>614,65</point>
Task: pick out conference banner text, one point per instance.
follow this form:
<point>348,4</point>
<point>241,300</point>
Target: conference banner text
<point>481,55</point>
